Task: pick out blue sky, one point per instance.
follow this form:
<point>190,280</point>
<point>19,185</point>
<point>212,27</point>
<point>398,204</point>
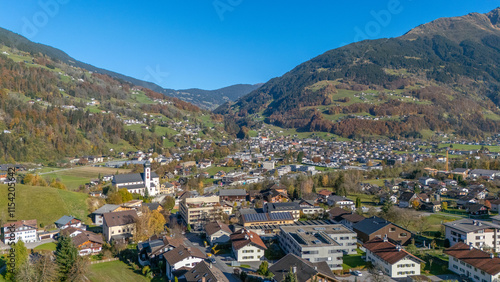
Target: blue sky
<point>211,44</point>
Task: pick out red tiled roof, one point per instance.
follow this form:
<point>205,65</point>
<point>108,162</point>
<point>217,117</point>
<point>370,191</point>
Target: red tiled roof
<point>475,257</point>
<point>243,237</point>
<point>387,251</point>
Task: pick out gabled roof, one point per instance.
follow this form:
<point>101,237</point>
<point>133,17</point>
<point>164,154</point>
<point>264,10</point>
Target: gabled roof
<point>475,257</point>
<point>388,252</point>
<point>353,217</point>
<point>406,196</point>
<point>371,225</point>
<point>106,208</point>
<point>232,192</point>
<point>180,253</point>
<point>203,269</point>
<point>126,178</point>
<point>283,206</point>
<point>305,270</point>
<point>212,227</point>
<point>337,212</point>
<point>27,223</point>
<point>244,237</point>
<point>120,218</point>
<point>85,236</point>
<point>65,219</point>
<point>337,198</point>
<point>151,206</point>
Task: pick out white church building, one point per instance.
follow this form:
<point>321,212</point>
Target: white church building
<point>139,182</point>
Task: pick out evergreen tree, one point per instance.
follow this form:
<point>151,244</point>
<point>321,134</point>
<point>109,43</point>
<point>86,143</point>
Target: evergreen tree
<point>66,256</point>
<point>358,202</point>
<point>291,277</point>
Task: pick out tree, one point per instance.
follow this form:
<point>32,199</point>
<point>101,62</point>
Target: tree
<point>169,203</point>
<point>79,269</point>
<point>114,198</point>
<point>26,273</point>
<point>290,276</point>
<point>148,224</point>
<point>300,156</point>
<point>126,195</point>
<point>324,180</point>
<point>21,258</point>
<point>264,269</point>
<point>66,256</point>
<point>444,205</point>
<point>46,268</point>
<point>358,202</point>
<point>416,204</point>
<point>422,224</point>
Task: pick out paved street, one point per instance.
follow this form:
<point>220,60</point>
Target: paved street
<point>28,245</point>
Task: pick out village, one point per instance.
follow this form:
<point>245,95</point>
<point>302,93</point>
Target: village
<point>326,210</point>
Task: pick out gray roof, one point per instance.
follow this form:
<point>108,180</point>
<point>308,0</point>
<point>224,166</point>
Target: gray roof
<point>370,225</point>
<point>305,270</point>
<point>267,217</point>
<point>106,208</point>
<point>64,220</point>
<point>131,177</point>
<point>467,225</point>
<point>484,172</point>
<point>248,211</point>
<point>282,206</point>
<point>134,186</point>
<point>337,198</point>
<point>232,192</point>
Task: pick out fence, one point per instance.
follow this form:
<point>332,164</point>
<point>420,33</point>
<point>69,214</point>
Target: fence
<point>104,260</point>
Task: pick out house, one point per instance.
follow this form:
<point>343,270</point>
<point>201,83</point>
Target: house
<point>476,209</point>
<point>247,246</point>
<point>391,259</point>
<point>293,208</point>
<point>205,272</point>
<point>341,202</point>
<point>480,173</point>
<point>494,205</point>
<point>406,199</point>
<point>151,251</point>
<point>119,226</point>
<point>469,199</point>
<point>376,227</point>
<point>143,183</point>
<point>476,232</point>
<point>460,172</point>
<point>24,230</point>
<point>326,242</point>
<point>388,197</point>
<point>351,219</point>
<point>87,242</point>
<point>69,221</point>
<point>274,196</point>
<point>97,217</point>
<point>434,206</point>
<point>305,270</point>
<point>217,233</point>
<point>233,195</point>
<point>153,206</point>
<point>473,263</point>
<point>181,257</point>
<point>308,207</point>
<point>260,219</point>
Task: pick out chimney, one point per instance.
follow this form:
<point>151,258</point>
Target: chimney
<point>470,246</point>
<point>385,238</point>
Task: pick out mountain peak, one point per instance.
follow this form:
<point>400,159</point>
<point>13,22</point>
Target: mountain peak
<point>494,16</point>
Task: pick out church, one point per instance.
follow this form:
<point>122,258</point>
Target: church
<point>139,183</point>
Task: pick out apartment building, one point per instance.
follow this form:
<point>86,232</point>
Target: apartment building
<point>391,259</point>
<point>23,230</point>
<point>481,234</point>
<point>477,265</point>
<point>319,243</point>
<point>202,209</point>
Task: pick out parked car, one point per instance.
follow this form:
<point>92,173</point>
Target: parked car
<point>357,273</point>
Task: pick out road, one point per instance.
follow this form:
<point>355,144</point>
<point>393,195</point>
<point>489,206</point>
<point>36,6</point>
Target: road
<point>194,241</point>
<point>28,245</point>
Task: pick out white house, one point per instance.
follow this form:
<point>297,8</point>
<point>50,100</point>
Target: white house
<point>392,260</point>
<point>181,257</point>
<point>341,202</point>
<point>247,246</point>
<point>69,221</point>
<point>469,231</point>
<point>475,264</point>
<point>217,233</point>
<point>24,230</point>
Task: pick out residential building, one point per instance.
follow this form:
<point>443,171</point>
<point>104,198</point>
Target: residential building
<point>204,271</point>
<point>152,250</point>
<point>391,259</point>
<point>376,227</point>
<point>309,207</point>
<point>24,230</point>
<point>139,183</point>
<point>481,234</point>
<point>233,195</point>
<point>318,243</point>
<point>406,199</point>
<point>477,265</point>
<point>489,174</point>
<point>119,226</point>
<point>304,270</point>
<point>201,209</point>
<point>69,221</point>
<point>97,217</point>
<point>87,242</point>
<point>217,233</point>
<point>181,257</point>
<point>247,246</point>
<point>293,208</point>
<point>341,202</point>
<point>259,219</point>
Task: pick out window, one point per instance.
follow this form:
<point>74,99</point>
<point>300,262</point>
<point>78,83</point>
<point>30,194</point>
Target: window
<point>403,234</point>
<point>392,229</point>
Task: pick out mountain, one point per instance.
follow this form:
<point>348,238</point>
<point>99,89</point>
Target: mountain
<point>443,76</point>
<point>206,99</point>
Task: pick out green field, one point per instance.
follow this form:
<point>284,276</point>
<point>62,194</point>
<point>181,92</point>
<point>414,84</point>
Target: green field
<point>470,147</point>
<point>47,246</point>
<point>213,169</point>
<point>353,261</point>
<point>114,271</point>
<point>45,204</point>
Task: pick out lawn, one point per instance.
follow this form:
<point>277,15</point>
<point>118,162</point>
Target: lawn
<point>466,147</point>
<point>47,246</point>
<point>214,169</point>
<point>353,261</point>
<point>366,200</point>
<point>114,271</point>
<point>45,204</point>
